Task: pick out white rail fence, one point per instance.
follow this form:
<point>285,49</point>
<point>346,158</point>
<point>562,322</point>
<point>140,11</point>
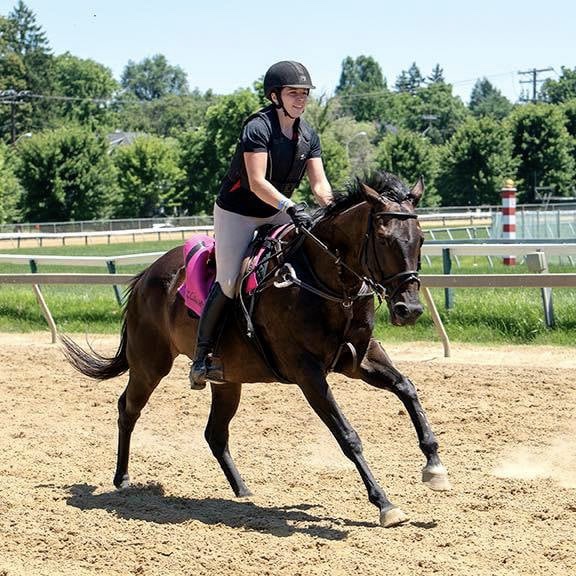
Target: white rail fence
<point>18,239</point>
<point>544,281</point>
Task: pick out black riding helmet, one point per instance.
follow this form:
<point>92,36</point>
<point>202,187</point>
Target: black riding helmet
<point>286,73</point>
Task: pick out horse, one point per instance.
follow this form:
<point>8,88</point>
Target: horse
<point>313,314</point>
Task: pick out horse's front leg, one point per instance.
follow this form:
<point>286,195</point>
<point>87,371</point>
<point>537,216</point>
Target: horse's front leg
<point>377,370</point>
<point>319,396</point>
<point>225,401</point>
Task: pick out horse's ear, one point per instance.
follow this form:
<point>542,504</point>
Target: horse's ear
<point>372,196</point>
<point>417,191</point>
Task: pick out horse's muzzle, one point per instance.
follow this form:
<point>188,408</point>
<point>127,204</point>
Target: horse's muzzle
<point>402,313</point>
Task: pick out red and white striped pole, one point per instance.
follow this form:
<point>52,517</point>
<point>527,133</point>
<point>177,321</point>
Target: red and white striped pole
<point>508,194</point>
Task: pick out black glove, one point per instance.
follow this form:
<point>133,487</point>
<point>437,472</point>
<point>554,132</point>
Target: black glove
<point>299,216</point>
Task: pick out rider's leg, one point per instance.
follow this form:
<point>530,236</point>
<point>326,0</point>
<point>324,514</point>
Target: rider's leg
<point>233,233</point>
<point>210,322</point>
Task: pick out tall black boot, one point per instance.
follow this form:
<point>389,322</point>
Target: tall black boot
<point>210,320</point>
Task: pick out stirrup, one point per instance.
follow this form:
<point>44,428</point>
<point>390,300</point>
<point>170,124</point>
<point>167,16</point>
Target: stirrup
<point>209,370</point>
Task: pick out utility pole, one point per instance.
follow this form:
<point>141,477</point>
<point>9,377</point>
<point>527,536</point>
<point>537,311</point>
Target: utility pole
<point>13,98</point>
<point>534,81</point>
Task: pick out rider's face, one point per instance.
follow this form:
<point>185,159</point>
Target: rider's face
<point>294,100</point>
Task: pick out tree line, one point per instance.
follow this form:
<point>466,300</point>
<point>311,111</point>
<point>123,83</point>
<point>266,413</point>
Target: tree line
<point>60,116</point>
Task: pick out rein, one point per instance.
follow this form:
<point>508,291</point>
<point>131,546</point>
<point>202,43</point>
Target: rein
<point>285,276</point>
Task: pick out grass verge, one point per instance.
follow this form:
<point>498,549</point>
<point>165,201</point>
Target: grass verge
<point>486,316</point>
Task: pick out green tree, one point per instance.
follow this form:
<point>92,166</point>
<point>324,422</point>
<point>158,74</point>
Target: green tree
<point>321,114</point>
<point>12,68</point>
<point>409,81</point>
<point>336,165</point>
<point>474,164</point>
<point>569,111</point>
<point>410,156</point>
<point>66,174</point>
<point>486,100</point>
<point>433,111</point>
<point>29,54</point>
<point>362,91</point>
<point>154,78</point>
<point>561,90</point>
<point>543,149</point>
<point>436,77</point>
<point>9,187</point>
<point>25,36</point>
<point>166,116</point>
<point>89,87</point>
<point>149,177</point>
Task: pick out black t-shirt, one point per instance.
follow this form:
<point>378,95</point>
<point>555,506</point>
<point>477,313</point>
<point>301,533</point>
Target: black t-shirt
<point>262,133</point>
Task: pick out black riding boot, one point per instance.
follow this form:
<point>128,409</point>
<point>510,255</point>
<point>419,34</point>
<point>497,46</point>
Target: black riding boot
<point>210,320</point>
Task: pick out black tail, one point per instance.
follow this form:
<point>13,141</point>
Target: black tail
<point>94,365</point>
<point>91,363</point>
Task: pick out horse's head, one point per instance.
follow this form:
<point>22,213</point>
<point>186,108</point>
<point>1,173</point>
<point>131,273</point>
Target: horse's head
<point>391,249</point>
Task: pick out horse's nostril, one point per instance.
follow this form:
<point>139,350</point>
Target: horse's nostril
<point>405,311</point>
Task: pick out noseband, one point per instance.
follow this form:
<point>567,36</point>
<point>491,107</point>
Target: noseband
<point>386,281</point>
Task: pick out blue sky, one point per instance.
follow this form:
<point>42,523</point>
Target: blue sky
<point>224,44</point>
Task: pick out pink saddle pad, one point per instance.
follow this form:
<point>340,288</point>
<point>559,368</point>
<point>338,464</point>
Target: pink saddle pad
<point>200,271</point>
<point>200,262</point>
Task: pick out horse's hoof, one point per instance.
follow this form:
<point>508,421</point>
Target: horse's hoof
<point>436,478</point>
<point>123,482</point>
<point>197,385</point>
<point>392,517</point>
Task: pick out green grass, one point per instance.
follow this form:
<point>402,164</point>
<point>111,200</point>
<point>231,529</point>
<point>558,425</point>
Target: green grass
<point>486,316</point>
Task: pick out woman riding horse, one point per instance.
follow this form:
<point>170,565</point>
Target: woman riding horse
<point>314,317</point>
<point>276,147</point>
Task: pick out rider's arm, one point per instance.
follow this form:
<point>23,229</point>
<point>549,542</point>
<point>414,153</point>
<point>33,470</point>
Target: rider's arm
<point>256,163</point>
<point>318,181</point>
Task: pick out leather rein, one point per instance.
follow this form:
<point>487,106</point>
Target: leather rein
<point>286,276</point>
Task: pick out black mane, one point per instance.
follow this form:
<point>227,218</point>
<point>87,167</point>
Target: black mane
<point>385,183</point>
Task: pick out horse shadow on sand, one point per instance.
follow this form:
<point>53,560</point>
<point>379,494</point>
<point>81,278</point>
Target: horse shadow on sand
<point>150,504</point>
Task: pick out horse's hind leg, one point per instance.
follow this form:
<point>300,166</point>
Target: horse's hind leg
<point>130,405</point>
<point>377,370</point>
<point>225,401</point>
<point>141,383</point>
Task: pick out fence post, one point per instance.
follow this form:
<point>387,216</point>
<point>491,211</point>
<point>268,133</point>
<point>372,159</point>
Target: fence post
<point>40,299</point>
<point>536,263</point>
<point>111,265</point>
<point>508,194</point>
<point>447,269</point>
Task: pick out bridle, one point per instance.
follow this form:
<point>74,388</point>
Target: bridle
<point>286,276</point>
<point>386,281</point>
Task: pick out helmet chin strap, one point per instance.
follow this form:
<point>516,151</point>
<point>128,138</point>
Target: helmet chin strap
<point>281,105</point>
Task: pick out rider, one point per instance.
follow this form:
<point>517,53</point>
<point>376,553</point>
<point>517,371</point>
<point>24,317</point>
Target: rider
<point>275,148</point>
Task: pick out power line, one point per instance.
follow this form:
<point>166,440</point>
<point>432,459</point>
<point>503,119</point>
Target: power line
<point>17,97</point>
<point>534,81</point>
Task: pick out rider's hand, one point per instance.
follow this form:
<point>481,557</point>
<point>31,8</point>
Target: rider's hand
<point>299,216</point>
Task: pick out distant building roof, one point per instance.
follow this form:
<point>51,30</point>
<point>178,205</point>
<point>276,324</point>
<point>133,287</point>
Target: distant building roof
<point>120,138</point>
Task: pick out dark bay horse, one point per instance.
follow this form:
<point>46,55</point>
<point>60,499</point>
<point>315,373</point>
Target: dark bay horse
<point>318,318</point>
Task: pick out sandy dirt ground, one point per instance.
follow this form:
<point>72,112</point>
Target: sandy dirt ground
<point>505,419</point>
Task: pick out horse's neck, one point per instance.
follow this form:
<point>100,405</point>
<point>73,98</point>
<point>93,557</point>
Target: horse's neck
<point>343,234</point>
